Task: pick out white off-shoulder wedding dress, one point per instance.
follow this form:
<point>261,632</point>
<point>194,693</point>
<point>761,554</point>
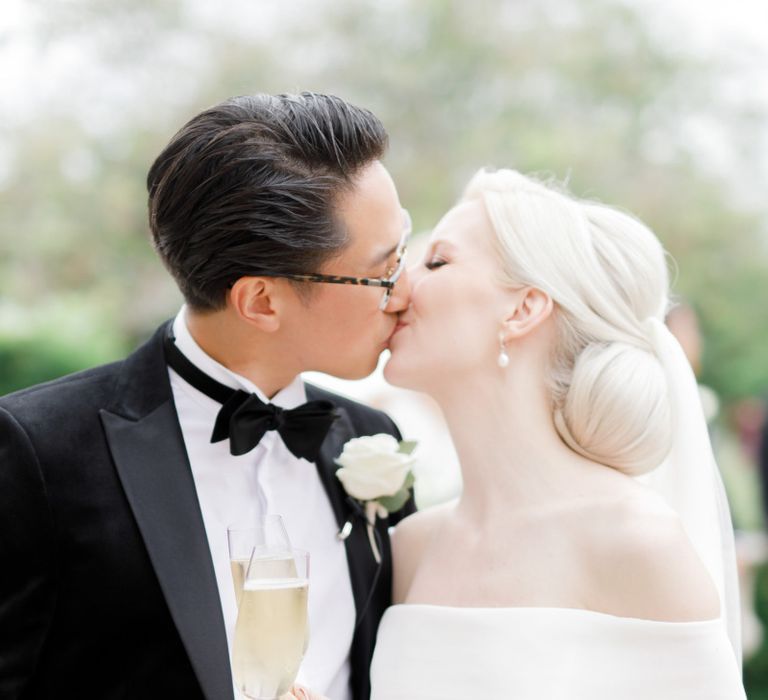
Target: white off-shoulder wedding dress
<point>430,652</point>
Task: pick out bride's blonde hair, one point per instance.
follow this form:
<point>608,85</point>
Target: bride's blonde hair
<point>607,275</point>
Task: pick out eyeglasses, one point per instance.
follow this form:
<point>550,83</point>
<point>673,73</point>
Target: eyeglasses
<point>388,282</point>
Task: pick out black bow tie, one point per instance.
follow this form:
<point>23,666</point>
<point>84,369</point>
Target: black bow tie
<point>244,418</point>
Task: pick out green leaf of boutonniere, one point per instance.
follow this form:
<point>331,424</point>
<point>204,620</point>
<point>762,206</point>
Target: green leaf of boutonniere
<point>407,447</point>
<point>396,502</point>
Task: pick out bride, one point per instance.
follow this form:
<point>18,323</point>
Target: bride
<point>590,553</point>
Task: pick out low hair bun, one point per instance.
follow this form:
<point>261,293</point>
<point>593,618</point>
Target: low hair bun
<point>616,409</point>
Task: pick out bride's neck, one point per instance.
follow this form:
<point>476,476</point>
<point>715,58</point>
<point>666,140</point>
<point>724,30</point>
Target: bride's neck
<point>510,453</point>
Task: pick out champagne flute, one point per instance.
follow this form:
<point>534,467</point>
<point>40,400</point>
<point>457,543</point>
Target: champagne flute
<point>271,629</point>
<point>263,532</point>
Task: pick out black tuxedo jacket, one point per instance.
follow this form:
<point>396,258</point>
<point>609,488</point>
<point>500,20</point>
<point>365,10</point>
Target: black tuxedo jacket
<point>107,588</point>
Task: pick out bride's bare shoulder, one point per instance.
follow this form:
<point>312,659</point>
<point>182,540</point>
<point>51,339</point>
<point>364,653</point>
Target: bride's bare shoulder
<point>644,564</point>
<point>412,533</point>
<point>409,539</point>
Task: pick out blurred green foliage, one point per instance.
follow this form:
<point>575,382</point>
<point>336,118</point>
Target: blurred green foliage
<point>756,668</point>
<point>63,337</point>
<point>585,91</point>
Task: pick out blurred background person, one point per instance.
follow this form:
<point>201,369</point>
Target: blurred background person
<point>763,461</point>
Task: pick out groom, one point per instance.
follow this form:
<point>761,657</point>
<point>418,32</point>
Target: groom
<point>285,235</point>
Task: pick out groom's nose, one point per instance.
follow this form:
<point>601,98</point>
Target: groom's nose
<point>401,295</point>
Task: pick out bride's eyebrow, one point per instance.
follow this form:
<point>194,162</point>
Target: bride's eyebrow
<point>440,245</point>
<point>429,250</point>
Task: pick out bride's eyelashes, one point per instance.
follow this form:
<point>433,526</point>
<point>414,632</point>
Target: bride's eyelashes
<point>434,262</point>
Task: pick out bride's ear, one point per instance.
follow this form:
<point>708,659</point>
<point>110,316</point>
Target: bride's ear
<point>532,308</point>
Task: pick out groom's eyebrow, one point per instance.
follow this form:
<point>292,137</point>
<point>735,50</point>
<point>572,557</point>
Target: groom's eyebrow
<point>381,258</point>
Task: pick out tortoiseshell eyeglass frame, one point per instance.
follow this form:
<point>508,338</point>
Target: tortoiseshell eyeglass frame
<point>387,282</point>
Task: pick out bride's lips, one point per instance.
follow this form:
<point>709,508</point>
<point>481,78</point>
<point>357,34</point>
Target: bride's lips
<point>400,325</point>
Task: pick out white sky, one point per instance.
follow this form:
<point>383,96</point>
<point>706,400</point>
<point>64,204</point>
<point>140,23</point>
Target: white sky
<point>710,26</point>
<point>714,23</point>
<point>32,77</point>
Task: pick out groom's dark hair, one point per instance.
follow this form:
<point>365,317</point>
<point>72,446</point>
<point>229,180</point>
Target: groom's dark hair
<point>248,187</point>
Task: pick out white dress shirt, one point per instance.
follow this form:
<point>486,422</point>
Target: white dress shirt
<point>268,479</point>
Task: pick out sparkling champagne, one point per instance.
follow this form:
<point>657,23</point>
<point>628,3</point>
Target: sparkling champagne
<point>254,536</point>
<point>239,567</point>
<point>263,568</point>
<point>271,632</point>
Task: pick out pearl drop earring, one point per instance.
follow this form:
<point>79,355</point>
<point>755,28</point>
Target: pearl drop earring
<point>503,360</point>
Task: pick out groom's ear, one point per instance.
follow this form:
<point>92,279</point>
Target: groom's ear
<point>257,301</point>
<point>532,308</point>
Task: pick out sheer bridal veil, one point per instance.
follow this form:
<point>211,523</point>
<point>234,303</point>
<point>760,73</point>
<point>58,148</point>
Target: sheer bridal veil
<point>689,479</point>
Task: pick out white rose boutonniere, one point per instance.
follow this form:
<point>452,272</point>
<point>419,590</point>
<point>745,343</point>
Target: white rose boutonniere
<point>376,470</point>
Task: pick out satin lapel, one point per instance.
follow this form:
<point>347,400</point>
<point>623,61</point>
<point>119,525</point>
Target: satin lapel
<point>341,431</point>
<point>148,451</point>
